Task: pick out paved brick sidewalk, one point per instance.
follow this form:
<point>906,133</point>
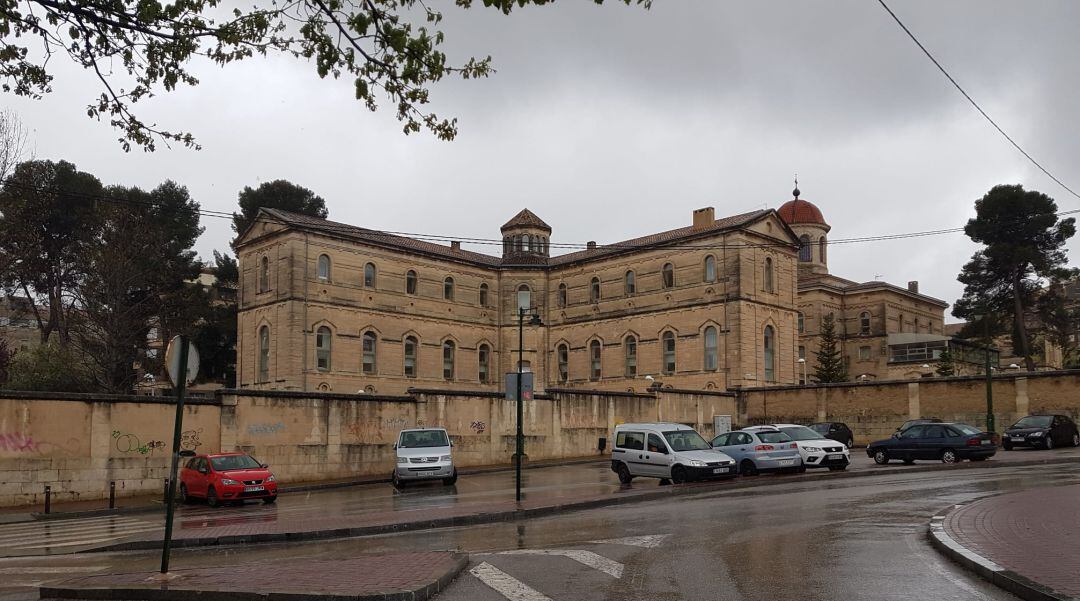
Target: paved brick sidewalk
<point>1034,533</point>
<point>412,576</point>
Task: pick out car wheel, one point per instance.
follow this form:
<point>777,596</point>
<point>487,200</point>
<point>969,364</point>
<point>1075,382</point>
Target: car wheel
<point>184,498</point>
<point>270,500</point>
<point>850,443</point>
<point>881,457</point>
<point>396,480</point>
<point>451,480</point>
<point>678,474</point>
<point>837,468</point>
<point>1076,439</point>
<point>211,497</point>
<point>747,468</point>
<point>624,474</point>
<point>1048,443</point>
<point>909,462</point>
<point>1006,445</point>
<point>949,456</point>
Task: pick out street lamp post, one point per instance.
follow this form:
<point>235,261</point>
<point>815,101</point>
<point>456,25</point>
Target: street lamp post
<point>989,379</point>
<point>533,321</point>
<point>802,362</point>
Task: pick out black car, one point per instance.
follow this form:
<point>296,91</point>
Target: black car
<point>946,442</point>
<point>837,431</point>
<point>1041,432</point>
<point>911,422</point>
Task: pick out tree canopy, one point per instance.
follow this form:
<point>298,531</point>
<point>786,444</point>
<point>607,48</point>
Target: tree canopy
<point>1024,245</point>
<point>277,194</point>
<point>390,49</point>
<point>830,362</point>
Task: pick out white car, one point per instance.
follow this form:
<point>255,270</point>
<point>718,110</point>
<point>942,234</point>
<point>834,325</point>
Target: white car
<point>815,449</point>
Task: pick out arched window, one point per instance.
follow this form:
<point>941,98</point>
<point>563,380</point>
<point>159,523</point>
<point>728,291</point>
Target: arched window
<point>668,347</point>
<point>900,323</point>
<point>915,327</point>
<point>594,290</point>
<point>506,244</point>
<point>370,340</point>
<point>483,355</point>
<point>410,282</point>
<point>322,348</point>
<point>526,243</point>
<point>710,268</point>
<point>369,275</point>
<point>483,295</point>
<point>822,244</point>
<point>864,322</point>
<point>448,288</point>
<point>802,322</point>
<point>411,346</point>
<point>712,346</point>
<point>448,360</point>
<point>596,366</point>
<point>770,354</point>
<point>562,295</point>
<point>631,284</point>
<point>630,346</point>
<point>264,274</point>
<point>562,358</point>
<point>668,275</point>
<point>768,275</point>
<point>805,249</point>
<point>524,297</point>
<point>264,354</point>
<point>324,268</point>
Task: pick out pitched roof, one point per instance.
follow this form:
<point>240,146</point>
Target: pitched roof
<point>849,286</point>
<point>526,218</point>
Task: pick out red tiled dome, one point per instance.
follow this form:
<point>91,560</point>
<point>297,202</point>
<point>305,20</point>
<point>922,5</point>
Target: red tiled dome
<point>800,211</point>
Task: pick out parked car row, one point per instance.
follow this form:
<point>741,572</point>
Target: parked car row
<point>676,452</point>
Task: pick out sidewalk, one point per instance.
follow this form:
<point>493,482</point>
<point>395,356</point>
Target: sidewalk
<point>1026,542</point>
<point>394,576</point>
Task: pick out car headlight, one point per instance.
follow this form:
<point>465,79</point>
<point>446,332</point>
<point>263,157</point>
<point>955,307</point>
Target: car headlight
<point>271,478</point>
<point>402,460</point>
<point>1038,433</point>
<point>812,449</point>
<point>229,482</point>
<point>444,458</point>
<point>697,463</point>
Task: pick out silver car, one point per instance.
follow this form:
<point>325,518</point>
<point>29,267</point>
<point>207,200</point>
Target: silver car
<point>424,454</point>
<point>763,449</point>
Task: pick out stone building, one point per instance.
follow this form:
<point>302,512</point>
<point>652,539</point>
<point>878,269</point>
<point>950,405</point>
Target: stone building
<point>334,307</point>
<point>886,331</point>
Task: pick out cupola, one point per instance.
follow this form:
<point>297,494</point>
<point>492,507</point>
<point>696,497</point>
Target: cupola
<point>525,237</point>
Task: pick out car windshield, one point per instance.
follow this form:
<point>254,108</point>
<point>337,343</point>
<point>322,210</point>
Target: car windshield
<point>967,430</point>
<point>1034,421</point>
<point>801,433</point>
<point>820,428</point>
<point>234,462</point>
<point>773,436</point>
<point>686,440</point>
<point>418,439</point>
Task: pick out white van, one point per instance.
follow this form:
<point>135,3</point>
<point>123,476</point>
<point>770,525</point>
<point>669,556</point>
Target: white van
<point>673,452</point>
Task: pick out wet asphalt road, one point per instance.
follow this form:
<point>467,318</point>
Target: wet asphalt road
<point>861,538</point>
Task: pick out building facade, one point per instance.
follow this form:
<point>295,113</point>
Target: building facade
<point>334,307</point>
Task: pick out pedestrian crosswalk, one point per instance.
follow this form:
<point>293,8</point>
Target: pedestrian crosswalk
<point>68,535</point>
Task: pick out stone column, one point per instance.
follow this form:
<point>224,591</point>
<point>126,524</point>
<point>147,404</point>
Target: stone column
<point>913,400</point>
<point>1023,403</point>
<point>227,423</point>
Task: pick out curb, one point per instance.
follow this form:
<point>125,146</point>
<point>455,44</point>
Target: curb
<point>696,489</point>
<point>1022,587</point>
<point>164,593</point>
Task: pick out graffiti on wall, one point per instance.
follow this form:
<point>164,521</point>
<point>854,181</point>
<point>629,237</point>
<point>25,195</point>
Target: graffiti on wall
<point>265,428</point>
<point>478,426</point>
<point>130,443</point>
<point>189,439</point>
<point>376,431</point>
<point>18,442</point>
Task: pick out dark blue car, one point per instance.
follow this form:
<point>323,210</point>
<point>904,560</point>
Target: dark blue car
<point>946,442</point>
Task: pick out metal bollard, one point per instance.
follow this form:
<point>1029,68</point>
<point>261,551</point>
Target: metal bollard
<point>112,494</point>
<point>48,498</point>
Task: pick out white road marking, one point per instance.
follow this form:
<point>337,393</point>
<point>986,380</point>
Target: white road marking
<point>594,561</point>
<point>51,570</point>
<point>59,542</point>
<point>117,529</point>
<point>66,524</point>
<point>505,584</point>
<point>649,542</point>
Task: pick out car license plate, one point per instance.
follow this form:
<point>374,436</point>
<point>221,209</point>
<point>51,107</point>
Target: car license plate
<point>721,470</point>
<point>786,462</point>
<point>988,442</point>
<point>836,456</point>
<point>1018,439</point>
<point>254,488</point>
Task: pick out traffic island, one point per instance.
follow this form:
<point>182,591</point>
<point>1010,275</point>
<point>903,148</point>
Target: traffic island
<point>1027,543</point>
<point>387,577</point>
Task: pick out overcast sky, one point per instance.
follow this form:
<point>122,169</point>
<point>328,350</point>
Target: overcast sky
<point>612,122</point>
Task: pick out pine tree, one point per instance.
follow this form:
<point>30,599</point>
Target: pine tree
<point>945,365</point>
<point>830,364</point>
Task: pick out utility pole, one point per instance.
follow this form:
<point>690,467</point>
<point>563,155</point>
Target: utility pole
<point>989,379</point>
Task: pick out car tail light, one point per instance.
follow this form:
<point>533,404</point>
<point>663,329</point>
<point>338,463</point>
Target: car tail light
<point>974,442</point>
<point>763,447</point>
<point>794,445</point>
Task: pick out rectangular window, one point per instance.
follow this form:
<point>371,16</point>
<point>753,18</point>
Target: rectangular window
<point>634,441</point>
<point>864,353</point>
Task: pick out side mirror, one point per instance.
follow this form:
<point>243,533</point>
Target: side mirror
<point>204,471</point>
<point>264,465</point>
<point>395,446</point>
<point>896,435</point>
<point>451,443</point>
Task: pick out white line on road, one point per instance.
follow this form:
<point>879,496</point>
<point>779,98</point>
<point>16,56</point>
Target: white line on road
<point>649,542</point>
<point>103,529</point>
<point>50,570</point>
<point>505,584</point>
<point>61,543</point>
<point>594,561</point>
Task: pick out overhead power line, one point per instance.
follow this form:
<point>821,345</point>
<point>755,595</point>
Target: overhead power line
<point>972,100</point>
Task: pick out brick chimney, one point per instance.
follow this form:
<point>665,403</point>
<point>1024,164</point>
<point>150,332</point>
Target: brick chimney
<point>913,286</point>
<point>590,245</point>
<point>704,218</point>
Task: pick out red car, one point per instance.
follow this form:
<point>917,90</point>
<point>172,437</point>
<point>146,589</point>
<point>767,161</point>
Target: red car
<point>225,478</point>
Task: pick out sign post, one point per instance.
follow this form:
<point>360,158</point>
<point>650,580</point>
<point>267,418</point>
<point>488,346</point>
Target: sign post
<point>182,363</point>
